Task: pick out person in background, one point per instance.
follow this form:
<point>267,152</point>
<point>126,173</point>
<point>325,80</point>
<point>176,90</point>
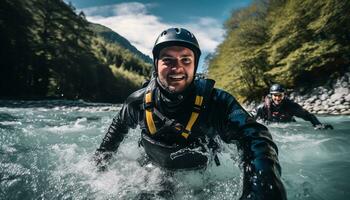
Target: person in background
<point>182,120</point>
<point>279,108</point>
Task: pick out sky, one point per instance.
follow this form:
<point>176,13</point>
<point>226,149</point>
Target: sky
<point>142,21</point>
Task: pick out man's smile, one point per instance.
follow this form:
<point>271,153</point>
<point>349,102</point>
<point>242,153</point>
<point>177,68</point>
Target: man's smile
<point>176,77</point>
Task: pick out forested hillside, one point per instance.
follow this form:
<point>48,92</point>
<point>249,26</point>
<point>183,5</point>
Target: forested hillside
<point>298,43</point>
<point>113,37</point>
<point>49,51</point>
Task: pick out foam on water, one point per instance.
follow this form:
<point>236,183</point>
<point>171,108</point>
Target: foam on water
<point>46,152</point>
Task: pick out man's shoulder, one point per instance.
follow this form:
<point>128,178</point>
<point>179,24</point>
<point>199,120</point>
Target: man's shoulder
<point>223,96</point>
<point>136,97</point>
<point>222,93</point>
<point>291,105</point>
<point>289,101</point>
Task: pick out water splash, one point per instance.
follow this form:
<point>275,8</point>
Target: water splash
<point>46,150</point>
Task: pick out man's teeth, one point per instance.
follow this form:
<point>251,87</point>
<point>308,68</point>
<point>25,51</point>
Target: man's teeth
<point>177,76</point>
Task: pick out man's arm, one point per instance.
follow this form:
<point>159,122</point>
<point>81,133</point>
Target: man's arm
<point>304,114</point>
<point>298,111</point>
<point>261,168</point>
<point>114,136</point>
<point>262,172</point>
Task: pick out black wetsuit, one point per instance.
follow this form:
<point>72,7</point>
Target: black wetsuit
<point>221,116</point>
<point>284,112</point>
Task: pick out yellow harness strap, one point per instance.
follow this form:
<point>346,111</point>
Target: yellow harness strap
<point>149,116</point>
<point>194,115</point>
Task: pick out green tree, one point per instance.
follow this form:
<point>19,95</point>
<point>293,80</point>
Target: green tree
<point>297,43</point>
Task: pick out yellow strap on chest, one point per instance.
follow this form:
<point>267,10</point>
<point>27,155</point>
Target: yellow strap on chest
<point>149,116</point>
<point>194,115</point>
<point>193,118</point>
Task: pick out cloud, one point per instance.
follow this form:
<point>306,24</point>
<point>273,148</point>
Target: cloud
<point>134,22</point>
<point>208,31</point>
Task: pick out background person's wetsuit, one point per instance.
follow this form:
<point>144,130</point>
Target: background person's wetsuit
<point>284,112</point>
<point>222,116</point>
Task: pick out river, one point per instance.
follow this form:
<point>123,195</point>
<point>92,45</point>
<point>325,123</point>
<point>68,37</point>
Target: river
<point>46,149</point>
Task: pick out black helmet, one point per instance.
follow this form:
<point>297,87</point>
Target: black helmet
<point>176,37</point>
<point>276,88</point>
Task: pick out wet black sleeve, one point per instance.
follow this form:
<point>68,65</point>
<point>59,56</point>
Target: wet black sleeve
<point>261,168</point>
<point>262,172</point>
<point>125,119</point>
<point>298,111</point>
<point>117,130</point>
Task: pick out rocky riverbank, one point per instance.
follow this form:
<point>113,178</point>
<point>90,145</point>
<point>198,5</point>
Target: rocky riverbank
<point>332,98</point>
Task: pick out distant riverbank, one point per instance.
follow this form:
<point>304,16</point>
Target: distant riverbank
<point>332,98</point>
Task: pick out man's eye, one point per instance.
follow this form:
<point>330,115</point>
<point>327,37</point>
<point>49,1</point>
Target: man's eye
<point>167,60</point>
<point>186,60</point>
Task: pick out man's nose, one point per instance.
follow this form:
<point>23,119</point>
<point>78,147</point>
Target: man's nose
<point>176,64</point>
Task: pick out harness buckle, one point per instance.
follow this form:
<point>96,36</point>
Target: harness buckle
<point>148,106</point>
<point>197,108</point>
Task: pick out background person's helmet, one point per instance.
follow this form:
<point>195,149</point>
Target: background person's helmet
<point>276,88</point>
<point>176,37</point>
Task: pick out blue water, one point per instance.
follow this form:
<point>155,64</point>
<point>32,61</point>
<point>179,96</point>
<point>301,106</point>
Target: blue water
<point>46,149</point>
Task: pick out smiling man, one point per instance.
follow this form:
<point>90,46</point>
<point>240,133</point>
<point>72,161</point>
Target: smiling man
<point>183,119</point>
<point>278,108</point>
<point>172,77</point>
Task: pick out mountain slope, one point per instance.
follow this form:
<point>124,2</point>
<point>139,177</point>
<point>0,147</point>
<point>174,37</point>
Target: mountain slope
<point>53,53</point>
<point>113,37</point>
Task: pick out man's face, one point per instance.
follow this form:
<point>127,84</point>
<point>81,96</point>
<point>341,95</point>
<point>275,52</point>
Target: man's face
<point>277,98</point>
<point>176,68</point>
